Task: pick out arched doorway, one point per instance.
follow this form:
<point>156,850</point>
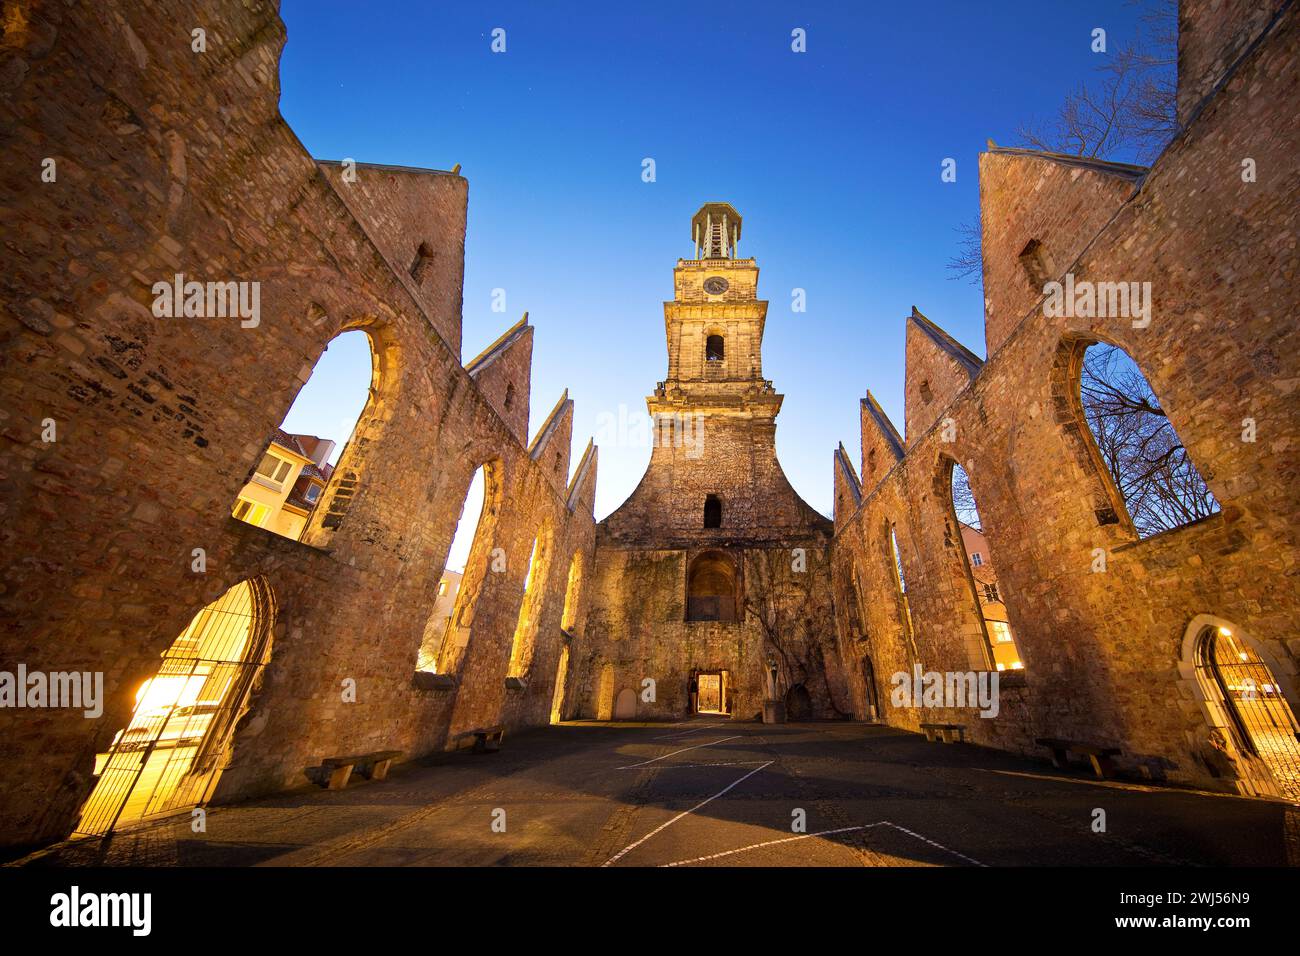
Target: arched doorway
<point>625,706</point>
<point>798,703</point>
<point>1249,706</point>
<point>171,753</point>
<point>869,683</point>
<point>711,588</point>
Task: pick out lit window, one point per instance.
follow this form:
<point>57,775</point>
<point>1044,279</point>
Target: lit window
<point>1000,631</point>
<point>277,469</point>
<point>250,511</point>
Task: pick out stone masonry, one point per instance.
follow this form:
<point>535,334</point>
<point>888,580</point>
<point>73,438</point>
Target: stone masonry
<point>1108,653</point>
<point>125,436</point>
<point>171,161</point>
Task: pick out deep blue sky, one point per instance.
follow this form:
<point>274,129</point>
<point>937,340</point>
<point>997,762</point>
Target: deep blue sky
<point>832,156</point>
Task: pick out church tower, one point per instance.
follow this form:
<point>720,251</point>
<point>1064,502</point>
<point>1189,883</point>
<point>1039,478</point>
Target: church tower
<point>713,477</point>
<point>714,570</point>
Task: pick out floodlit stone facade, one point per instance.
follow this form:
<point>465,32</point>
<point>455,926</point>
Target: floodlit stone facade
<point>1106,623</point>
<point>170,161</point>
<point>132,158</point>
<point>714,564</point>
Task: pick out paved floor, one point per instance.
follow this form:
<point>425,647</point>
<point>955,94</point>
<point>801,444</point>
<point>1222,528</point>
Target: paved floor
<point>711,792</point>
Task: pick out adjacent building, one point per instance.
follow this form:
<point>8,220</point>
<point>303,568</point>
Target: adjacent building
<point>287,483</point>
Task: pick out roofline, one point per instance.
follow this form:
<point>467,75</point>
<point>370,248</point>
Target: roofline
<point>1128,170</point>
<point>972,362</point>
<point>455,171</point>
<point>484,358</point>
<point>549,426</point>
<point>885,425</point>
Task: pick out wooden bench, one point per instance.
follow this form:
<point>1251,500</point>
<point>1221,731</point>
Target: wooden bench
<point>948,733</point>
<point>486,739</point>
<point>373,766</point>
<point>1097,755</point>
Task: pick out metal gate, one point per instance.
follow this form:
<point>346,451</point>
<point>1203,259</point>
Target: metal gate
<point>1259,711</point>
<point>168,756</point>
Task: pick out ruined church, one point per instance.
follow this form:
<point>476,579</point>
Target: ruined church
<point>714,589</point>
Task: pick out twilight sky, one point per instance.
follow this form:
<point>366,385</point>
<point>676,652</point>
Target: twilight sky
<point>833,157</point>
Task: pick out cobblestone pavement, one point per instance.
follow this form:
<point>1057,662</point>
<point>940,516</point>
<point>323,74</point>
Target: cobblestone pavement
<point>721,794</point>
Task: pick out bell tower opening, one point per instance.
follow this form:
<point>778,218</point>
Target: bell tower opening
<point>716,231</point>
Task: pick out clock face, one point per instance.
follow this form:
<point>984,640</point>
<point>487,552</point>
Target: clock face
<point>715,285</point>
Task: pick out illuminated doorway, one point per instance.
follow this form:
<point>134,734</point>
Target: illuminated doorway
<point>713,692</point>
<point>1259,716</point>
<point>169,756</point>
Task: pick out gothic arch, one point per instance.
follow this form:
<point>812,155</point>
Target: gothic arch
<point>355,462</point>
<point>712,592</point>
<point>459,627</point>
<point>171,752</point>
<point>1227,744</point>
<point>1067,409</point>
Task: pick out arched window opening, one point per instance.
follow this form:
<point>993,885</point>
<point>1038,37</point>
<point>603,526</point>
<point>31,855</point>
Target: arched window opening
<point>447,631</point>
<point>1139,448</point>
<point>900,588</point>
<point>572,591</point>
<point>299,460</point>
<point>171,753</point>
<point>561,679</point>
<point>712,511</point>
<point>530,611</point>
<point>510,395</point>
<point>999,640</point>
<point>1260,720</point>
<point>714,348</point>
<point>711,588</point>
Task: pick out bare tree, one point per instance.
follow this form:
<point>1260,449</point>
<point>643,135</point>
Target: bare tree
<point>968,263</point>
<point>1130,107</point>
<point>783,606</point>
<point>963,499</point>
<point>1149,465</point>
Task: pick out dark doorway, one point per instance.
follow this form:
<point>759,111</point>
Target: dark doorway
<point>798,704</point>
<point>869,681</point>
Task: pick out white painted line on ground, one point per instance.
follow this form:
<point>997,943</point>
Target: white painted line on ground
<point>685,766</point>
<point>676,752</point>
<point>685,813</point>
<point>805,836</point>
<point>940,846</point>
<point>756,846</point>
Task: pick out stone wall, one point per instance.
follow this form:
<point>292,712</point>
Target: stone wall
<point>170,160</point>
<point>1105,651</point>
